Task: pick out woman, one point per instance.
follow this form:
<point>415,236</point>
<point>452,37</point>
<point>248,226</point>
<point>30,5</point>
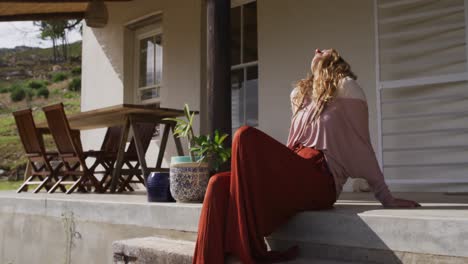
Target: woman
<point>269,183</point>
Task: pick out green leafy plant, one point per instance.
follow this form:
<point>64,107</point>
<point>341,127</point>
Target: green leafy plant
<point>75,84</point>
<point>76,71</point>
<point>18,93</point>
<point>43,92</point>
<point>4,89</point>
<point>36,84</point>
<point>183,128</point>
<point>202,148</point>
<point>212,150</point>
<point>59,76</point>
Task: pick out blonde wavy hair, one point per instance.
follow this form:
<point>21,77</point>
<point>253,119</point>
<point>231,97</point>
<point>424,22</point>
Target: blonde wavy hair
<point>322,88</point>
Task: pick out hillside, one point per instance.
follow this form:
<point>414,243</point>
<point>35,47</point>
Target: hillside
<point>22,62</point>
<point>30,79</point>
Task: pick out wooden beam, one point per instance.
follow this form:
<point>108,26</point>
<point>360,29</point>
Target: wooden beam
<point>58,1</point>
<point>43,16</point>
<point>218,66</point>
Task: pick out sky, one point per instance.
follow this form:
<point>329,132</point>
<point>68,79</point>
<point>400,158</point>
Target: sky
<point>14,34</point>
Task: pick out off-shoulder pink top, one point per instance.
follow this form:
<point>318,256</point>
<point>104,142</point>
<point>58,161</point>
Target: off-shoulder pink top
<point>342,133</point>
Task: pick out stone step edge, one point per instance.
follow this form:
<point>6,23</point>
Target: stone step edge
<point>169,251</point>
<point>159,250</point>
<point>152,250</point>
<point>348,254</point>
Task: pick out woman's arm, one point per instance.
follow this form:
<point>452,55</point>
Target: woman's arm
<point>364,164</point>
<point>291,97</point>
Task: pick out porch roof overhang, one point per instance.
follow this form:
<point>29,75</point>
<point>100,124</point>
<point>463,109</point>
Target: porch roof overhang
<point>21,10</point>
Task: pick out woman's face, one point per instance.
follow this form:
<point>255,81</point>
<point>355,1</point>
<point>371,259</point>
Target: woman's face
<point>318,56</point>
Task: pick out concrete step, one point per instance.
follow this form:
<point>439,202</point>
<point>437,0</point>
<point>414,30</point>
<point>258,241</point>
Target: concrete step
<point>149,250</point>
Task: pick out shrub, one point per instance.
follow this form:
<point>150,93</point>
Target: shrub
<point>69,95</point>
<point>36,84</point>
<point>43,92</point>
<point>56,91</point>
<point>59,76</point>
<point>76,71</point>
<point>29,93</point>
<point>18,93</point>
<point>75,85</point>
<point>4,90</point>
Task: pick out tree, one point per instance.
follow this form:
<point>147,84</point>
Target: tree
<point>56,31</point>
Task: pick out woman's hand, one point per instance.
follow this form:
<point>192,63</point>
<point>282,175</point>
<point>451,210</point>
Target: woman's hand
<point>401,203</point>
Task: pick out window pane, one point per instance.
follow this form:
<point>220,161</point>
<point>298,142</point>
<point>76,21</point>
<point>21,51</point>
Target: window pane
<point>251,89</point>
<point>237,93</point>
<point>146,62</point>
<point>235,35</point>
<point>159,58</point>
<point>147,94</point>
<point>250,32</point>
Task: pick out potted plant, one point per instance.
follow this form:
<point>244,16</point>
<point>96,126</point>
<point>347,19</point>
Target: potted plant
<point>189,175</point>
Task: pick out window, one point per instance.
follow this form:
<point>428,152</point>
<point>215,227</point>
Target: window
<point>145,42</point>
<point>149,47</point>
<point>244,65</point>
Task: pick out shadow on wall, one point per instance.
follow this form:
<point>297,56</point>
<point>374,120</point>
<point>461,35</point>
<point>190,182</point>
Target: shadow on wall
<point>356,233</point>
<point>360,244</point>
<point>109,41</point>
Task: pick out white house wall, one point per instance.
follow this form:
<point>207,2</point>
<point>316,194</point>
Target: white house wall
<point>108,62</point>
<point>288,34</point>
<point>290,31</point>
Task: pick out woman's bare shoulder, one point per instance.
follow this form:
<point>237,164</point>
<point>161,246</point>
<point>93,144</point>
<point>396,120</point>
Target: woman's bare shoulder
<point>294,92</point>
<point>350,88</point>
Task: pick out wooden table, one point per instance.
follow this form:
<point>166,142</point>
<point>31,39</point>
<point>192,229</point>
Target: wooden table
<point>127,115</point>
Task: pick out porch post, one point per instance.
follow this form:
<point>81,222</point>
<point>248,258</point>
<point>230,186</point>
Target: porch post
<point>219,66</point>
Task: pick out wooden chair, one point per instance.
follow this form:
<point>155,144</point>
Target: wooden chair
<point>75,171</point>
<point>109,147</point>
<point>132,165</point>
<point>133,170</point>
<point>42,172</point>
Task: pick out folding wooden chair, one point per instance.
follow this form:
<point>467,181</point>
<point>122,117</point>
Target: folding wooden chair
<point>109,148</point>
<point>42,172</point>
<point>131,161</point>
<point>75,171</point>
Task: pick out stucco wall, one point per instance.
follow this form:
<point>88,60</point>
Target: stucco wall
<point>285,46</point>
<point>288,35</point>
<point>108,62</point>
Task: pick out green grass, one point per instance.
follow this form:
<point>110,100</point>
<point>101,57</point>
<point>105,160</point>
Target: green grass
<point>11,149</point>
<point>11,152</point>
<point>10,185</point>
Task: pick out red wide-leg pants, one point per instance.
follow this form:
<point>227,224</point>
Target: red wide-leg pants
<point>267,185</point>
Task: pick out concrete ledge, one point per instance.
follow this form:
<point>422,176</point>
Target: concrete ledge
<point>358,225</point>
<point>129,209</point>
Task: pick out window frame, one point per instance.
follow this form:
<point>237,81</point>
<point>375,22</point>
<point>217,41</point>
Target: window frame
<point>140,34</point>
<point>244,65</point>
<point>236,3</point>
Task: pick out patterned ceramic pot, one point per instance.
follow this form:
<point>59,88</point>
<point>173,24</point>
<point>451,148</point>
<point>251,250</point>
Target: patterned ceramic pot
<point>188,180</point>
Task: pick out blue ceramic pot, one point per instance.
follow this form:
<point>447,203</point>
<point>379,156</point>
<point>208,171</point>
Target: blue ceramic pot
<point>157,186</point>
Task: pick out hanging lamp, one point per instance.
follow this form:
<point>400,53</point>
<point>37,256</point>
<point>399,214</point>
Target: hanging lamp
<point>96,14</point>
